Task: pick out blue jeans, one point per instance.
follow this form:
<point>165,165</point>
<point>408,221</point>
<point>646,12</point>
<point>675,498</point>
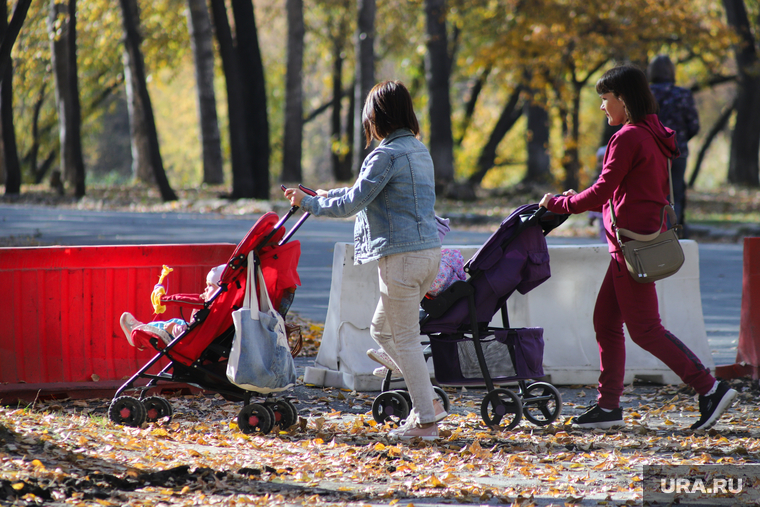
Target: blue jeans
<point>405,278</point>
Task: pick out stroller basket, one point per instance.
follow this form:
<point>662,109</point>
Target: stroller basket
<point>510,354</point>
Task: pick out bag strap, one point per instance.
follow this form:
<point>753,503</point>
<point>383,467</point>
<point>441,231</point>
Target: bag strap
<point>250,285</point>
<point>265,303</point>
<point>647,237</point>
<point>261,303</point>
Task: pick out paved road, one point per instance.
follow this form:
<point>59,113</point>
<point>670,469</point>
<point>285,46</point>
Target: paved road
<point>720,264</point>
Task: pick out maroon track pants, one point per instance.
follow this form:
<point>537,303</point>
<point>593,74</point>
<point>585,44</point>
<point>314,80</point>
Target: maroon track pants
<point>622,300</point>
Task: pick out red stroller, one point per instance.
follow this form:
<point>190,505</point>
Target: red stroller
<point>466,351</point>
<point>199,355</point>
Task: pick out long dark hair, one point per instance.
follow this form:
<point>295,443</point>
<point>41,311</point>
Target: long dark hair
<point>630,84</point>
<point>388,108</point>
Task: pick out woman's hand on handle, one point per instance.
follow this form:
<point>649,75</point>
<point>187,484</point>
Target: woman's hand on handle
<point>545,199</point>
<point>294,195</point>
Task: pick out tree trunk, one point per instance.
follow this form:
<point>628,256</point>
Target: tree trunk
<point>202,44</point>
<point>509,116</point>
<point>10,172</point>
<point>339,154</point>
<point>138,131</point>
<point>11,31</point>
<point>255,100</point>
<point>242,176</point>
<point>744,165</point>
<point>293,135</point>
<point>365,74</point>
<point>132,41</point>
<point>572,162</point>
<point>59,59</point>
<point>539,169</point>
<point>472,100</point>
<point>34,150</point>
<point>351,133</point>
<point>719,125</point>
<point>67,93</point>
<point>439,106</point>
<point>7,132</point>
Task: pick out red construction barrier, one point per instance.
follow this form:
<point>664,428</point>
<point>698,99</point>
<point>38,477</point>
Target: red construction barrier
<point>748,351</point>
<point>59,321</point>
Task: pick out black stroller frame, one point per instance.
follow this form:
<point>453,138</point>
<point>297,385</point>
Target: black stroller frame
<point>539,402</point>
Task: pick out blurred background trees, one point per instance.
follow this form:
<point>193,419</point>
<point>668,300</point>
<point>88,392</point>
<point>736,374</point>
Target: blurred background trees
<point>242,94</point>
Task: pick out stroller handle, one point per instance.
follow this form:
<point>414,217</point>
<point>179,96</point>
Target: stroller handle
<point>531,219</point>
<point>548,223</point>
<point>292,211</point>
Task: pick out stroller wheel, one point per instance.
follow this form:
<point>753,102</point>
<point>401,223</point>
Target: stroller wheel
<point>501,406</point>
<point>443,397</point>
<point>285,414</point>
<point>293,409</point>
<point>407,397</point>
<point>390,406</point>
<point>156,408</point>
<point>128,411</point>
<point>542,403</point>
<point>255,417</point>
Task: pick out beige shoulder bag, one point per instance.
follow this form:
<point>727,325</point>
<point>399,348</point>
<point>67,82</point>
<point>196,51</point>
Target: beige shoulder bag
<point>651,257</point>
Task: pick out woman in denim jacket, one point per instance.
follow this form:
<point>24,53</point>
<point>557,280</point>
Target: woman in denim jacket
<point>393,200</point>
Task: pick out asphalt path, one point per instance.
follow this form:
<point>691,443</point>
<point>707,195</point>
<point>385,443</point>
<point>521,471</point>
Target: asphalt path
<point>720,264</point>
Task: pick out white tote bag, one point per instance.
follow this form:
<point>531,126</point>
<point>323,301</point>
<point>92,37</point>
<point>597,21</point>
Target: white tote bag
<point>260,358</point>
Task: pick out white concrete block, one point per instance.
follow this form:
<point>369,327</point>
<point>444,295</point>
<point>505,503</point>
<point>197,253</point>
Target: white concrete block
<point>354,293</point>
<point>563,306</point>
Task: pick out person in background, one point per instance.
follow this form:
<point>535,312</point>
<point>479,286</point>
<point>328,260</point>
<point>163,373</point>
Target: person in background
<point>634,180</point>
<point>677,112</point>
<point>393,199</point>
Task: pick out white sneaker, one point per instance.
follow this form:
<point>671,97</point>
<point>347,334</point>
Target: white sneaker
<point>440,412</point>
<point>382,357</point>
<point>411,429</point>
<point>382,371</point>
<point>128,322</point>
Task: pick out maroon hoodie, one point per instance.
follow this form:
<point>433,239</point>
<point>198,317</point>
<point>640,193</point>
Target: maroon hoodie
<point>635,176</point>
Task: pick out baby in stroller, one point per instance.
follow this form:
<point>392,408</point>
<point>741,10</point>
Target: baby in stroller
<point>167,330</point>
<point>200,353</point>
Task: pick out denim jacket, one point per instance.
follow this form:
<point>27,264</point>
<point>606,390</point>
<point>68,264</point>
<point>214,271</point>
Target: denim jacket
<point>393,200</point>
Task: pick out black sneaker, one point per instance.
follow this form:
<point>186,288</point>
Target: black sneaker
<point>712,407</point>
<point>595,417</point>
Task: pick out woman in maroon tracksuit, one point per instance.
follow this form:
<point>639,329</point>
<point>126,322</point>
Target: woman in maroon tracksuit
<point>635,177</point>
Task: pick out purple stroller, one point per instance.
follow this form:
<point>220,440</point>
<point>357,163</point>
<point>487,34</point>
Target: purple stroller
<point>467,351</point>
